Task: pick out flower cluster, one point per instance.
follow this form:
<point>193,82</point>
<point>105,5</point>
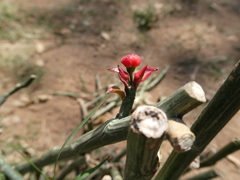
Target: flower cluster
<point>129,79</point>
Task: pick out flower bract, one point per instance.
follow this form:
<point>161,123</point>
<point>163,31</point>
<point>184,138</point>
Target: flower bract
<point>117,90</point>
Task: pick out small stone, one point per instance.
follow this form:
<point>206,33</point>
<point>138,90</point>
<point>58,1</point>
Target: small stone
<point>44,97</point>
<point>105,36</point>
<point>86,23</point>
<point>16,119</point>
<point>103,46</point>
<point>23,101</point>
<point>39,47</point>
<point>107,177</point>
<point>158,7</point>
<point>19,104</point>
<point>40,63</point>
<point>65,31</point>
<point>233,38</point>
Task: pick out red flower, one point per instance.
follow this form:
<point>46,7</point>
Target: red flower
<point>131,61</point>
<point>129,79</point>
<point>139,76</point>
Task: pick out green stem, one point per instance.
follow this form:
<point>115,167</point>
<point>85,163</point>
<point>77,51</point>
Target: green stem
<point>116,174</point>
<point>127,103</point>
<point>7,169</point>
<point>116,130</point>
<point>144,141</point>
<point>66,170</point>
<point>218,112</point>
<point>226,150</point>
<point>206,175</point>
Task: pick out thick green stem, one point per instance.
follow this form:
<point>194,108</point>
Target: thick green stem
<point>209,123</point>
<point>116,130</point>
<point>191,90</point>
<point>127,103</point>
<point>146,133</point>
<point>179,135</point>
<point>8,170</point>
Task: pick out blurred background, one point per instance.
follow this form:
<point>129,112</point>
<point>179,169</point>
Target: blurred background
<point>67,43</point>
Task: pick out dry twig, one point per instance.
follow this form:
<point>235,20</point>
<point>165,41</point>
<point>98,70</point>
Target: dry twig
<point>17,88</point>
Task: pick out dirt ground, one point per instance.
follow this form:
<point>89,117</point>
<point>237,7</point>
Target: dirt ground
<point>199,40</point>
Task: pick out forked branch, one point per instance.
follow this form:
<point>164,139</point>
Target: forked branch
<point>186,98</point>
<point>218,112</point>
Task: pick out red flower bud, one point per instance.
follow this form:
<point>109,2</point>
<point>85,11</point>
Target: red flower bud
<point>132,60</point>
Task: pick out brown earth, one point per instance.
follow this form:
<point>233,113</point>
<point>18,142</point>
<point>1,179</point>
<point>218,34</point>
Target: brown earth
<point>198,40</point>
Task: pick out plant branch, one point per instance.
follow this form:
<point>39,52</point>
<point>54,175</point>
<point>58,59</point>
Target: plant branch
<point>76,163</point>
<point>119,156</point>
<point>68,94</point>
<point>226,150</point>
<point>179,135</point>
<point>98,83</point>
<point>127,102</point>
<point>115,130</point>
<point>8,170</point>
<point>145,136</point>
<point>206,175</point>
<point>17,88</point>
<point>115,174</point>
<point>217,113</point>
<point>188,96</point>
<point>47,158</point>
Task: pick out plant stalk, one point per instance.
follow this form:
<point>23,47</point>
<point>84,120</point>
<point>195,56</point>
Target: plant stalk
<point>115,130</point>
<point>179,135</point>
<point>17,88</point>
<point>127,102</point>
<point>146,133</point>
<point>218,112</point>
<point>226,150</point>
<point>206,175</point>
<point>8,170</point>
